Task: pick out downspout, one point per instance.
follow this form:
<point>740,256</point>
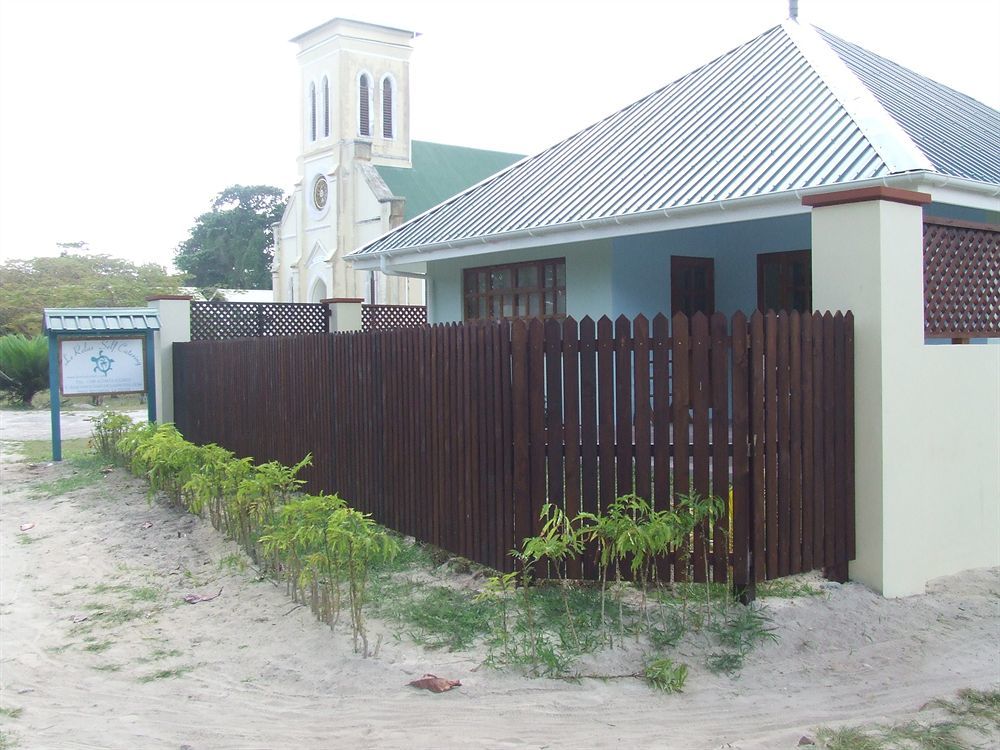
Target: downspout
<point>428,283</point>
<point>405,274</point>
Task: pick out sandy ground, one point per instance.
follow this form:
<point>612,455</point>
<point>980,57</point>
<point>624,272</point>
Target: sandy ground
<point>99,650</point>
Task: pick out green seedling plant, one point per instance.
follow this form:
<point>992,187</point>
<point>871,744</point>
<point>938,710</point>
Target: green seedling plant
<point>265,487</point>
<point>357,543</point>
<point>108,430</point>
<point>298,536</point>
<point>206,489</point>
<point>697,513</point>
<point>560,541</point>
<point>665,675</point>
<point>500,589</point>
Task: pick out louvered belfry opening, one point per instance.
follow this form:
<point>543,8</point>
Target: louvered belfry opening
<point>312,111</point>
<point>364,106</point>
<point>387,108</point>
<point>326,107</point>
<point>961,279</point>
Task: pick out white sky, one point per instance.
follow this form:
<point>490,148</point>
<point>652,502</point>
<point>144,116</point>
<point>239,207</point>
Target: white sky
<point>121,120</point>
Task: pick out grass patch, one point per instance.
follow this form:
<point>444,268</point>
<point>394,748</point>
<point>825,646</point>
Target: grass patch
<point>8,741</point>
<point>86,472</point>
<point>434,616</point>
<point>144,593</point>
<point>40,451</point>
<point>161,654</point>
<point>234,562</point>
<point>108,667</point>
<point>165,674</point>
<point>98,647</point>
<point>979,707</point>
<point>974,712</point>
<point>109,615</point>
<point>787,588</point>
<point>11,713</point>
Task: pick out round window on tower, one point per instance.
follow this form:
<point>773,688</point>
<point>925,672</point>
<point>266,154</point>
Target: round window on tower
<point>320,192</point>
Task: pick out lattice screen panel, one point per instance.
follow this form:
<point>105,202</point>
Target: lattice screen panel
<point>229,320</point>
<point>961,280</point>
<point>387,317</point>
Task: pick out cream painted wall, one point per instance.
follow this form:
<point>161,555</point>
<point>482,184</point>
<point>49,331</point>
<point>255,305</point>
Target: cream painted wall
<point>175,327</point>
<point>927,417</point>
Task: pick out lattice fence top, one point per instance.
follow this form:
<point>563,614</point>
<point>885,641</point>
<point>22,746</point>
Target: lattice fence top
<point>230,320</point>
<point>961,280</point>
<point>388,317</point>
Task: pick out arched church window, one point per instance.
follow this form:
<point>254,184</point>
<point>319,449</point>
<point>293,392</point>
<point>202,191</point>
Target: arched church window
<point>326,107</point>
<point>312,111</point>
<point>364,105</point>
<point>387,94</point>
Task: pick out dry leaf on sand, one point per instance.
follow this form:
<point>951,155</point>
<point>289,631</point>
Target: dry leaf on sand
<point>435,684</point>
<point>195,598</point>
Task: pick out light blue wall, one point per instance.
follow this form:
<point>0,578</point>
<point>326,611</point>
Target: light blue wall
<point>641,267</point>
<point>588,278</point>
<point>631,275</point>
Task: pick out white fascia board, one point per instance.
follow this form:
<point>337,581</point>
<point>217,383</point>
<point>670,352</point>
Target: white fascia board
<point>886,136</point>
<point>942,188</point>
<point>960,192</point>
<point>721,212</point>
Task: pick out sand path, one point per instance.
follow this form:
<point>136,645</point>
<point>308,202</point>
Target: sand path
<point>250,670</point>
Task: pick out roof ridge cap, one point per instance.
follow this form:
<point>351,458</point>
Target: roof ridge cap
<point>899,152</point>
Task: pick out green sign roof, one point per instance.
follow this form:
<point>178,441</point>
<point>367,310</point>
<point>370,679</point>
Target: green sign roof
<point>101,320</point>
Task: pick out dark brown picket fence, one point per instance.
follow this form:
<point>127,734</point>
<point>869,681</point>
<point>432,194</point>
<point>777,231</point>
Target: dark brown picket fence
<point>458,434</point>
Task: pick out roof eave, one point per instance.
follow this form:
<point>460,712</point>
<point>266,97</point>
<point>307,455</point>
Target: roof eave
<point>771,205</point>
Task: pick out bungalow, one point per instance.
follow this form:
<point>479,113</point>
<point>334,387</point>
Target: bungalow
<point>794,172</point>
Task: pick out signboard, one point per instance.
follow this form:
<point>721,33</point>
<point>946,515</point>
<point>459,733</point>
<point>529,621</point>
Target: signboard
<point>94,366</point>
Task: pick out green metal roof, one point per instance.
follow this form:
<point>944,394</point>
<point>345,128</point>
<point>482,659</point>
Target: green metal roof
<point>101,320</point>
<point>440,172</point>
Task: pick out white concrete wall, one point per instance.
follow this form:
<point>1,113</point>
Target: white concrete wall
<point>927,417</point>
<point>175,327</point>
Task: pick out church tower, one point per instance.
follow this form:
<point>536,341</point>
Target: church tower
<point>354,115</point>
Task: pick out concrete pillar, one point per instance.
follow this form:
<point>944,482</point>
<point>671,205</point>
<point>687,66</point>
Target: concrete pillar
<point>175,327</point>
<point>927,447</point>
<point>345,313</point>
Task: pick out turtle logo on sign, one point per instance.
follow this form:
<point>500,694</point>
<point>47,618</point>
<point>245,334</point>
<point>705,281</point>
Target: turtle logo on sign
<point>102,363</point>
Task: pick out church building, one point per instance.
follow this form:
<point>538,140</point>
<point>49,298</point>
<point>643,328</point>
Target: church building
<point>360,174</point>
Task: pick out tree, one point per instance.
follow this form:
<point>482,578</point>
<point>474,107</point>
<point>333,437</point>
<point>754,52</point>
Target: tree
<point>231,246</point>
<point>27,286</point>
